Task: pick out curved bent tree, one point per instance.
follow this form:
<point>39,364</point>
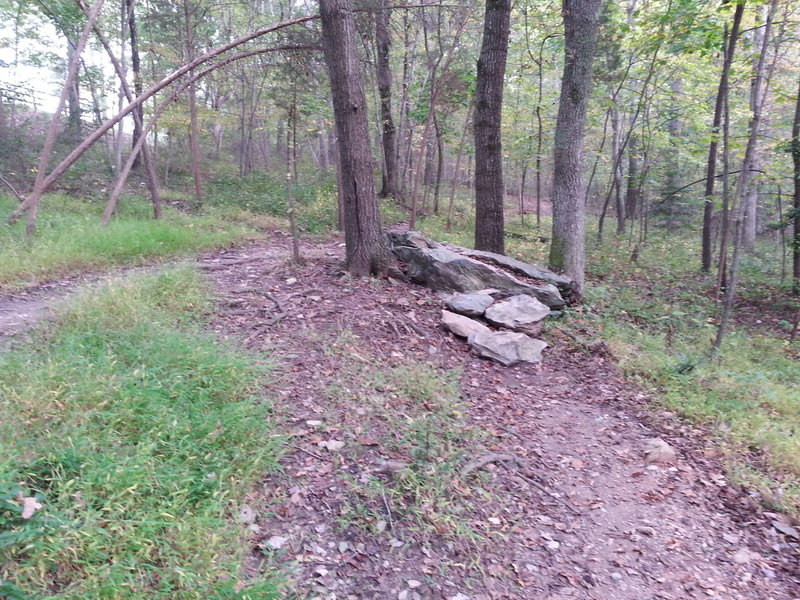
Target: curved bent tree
<point>366,249</point>
<point>567,250</point>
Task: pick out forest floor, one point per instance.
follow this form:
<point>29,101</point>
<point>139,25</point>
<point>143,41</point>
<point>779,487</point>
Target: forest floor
<point>415,470</point>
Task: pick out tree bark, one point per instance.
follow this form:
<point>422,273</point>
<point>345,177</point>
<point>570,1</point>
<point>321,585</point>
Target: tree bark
<point>567,249</point>
<point>136,68</point>
<point>796,208</point>
<point>708,207</point>
<point>384,80</point>
<point>194,127</point>
<point>365,244</point>
<point>489,190</point>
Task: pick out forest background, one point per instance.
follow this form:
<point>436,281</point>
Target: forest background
<point>689,182</point>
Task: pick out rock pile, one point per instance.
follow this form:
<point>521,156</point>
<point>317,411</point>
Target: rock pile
<point>490,289</point>
<point>521,314</point>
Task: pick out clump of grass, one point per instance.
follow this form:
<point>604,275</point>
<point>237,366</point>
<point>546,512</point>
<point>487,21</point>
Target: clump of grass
<point>70,239</point>
<point>412,408</point>
<point>140,436</point>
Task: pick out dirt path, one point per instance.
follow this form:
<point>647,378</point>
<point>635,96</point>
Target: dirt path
<point>375,500</point>
<point>415,471</point>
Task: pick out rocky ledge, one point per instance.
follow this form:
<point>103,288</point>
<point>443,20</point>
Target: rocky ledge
<point>490,289</point>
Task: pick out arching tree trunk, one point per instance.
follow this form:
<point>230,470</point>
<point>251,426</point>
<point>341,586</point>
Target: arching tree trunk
<point>366,247</point>
<point>567,249</point>
<point>31,204</point>
<point>489,190</point>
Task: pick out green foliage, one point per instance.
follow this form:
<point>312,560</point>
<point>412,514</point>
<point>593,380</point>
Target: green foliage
<point>141,436</point>
<point>263,193</point>
<point>660,319</point>
<point>70,239</point>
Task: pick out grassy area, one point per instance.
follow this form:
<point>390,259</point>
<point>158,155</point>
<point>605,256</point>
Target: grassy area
<point>659,316</point>
<point>412,411</point>
<point>140,436</point>
<point>70,238</point>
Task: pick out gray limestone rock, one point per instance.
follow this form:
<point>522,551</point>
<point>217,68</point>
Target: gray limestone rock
<point>506,347</point>
<point>518,313</point>
<point>472,304</point>
<point>564,284</point>
<point>439,268</point>
<point>461,325</point>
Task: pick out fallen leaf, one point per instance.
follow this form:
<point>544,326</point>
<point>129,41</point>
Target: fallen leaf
<point>276,542</point>
<point>29,507</point>
<point>332,445</point>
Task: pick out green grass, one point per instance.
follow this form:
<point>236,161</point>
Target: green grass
<point>141,436</point>
<point>264,193</point>
<point>70,239</point>
<point>659,317</point>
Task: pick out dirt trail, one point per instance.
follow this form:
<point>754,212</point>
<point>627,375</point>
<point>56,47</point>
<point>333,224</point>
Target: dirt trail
<point>559,504</point>
<point>576,513</point>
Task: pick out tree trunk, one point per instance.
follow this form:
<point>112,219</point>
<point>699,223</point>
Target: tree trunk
<point>384,80</point>
<point>744,181</point>
<point>796,207</point>
<point>74,95</point>
<point>194,128</point>
<point>567,249</point>
<point>136,68</point>
<point>708,207</point>
<point>366,248</point>
<point>616,140</point>
<point>489,190</point>
<point>31,203</point>
<point>633,187</point>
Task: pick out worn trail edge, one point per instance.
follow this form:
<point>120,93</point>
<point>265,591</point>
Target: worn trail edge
<point>541,489</point>
<point>577,513</point>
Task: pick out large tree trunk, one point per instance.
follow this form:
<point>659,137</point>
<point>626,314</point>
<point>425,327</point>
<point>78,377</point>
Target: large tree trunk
<point>365,244</point>
<point>384,77</point>
<point>489,190</point>
<point>711,167</point>
<point>567,249</point>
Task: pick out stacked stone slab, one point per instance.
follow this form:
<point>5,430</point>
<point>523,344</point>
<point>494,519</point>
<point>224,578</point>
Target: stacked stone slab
<point>521,314</point>
<point>506,292</point>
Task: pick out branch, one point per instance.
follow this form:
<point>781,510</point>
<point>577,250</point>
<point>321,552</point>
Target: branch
<point>144,96</point>
<point>688,185</point>
<point>12,188</point>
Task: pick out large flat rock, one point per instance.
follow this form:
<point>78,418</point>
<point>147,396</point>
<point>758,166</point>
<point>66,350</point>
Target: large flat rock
<point>461,325</point>
<point>518,313</point>
<point>507,347</point>
<point>444,269</point>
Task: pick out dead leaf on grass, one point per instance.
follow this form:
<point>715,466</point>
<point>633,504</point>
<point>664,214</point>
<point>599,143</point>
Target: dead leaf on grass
<point>29,506</point>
